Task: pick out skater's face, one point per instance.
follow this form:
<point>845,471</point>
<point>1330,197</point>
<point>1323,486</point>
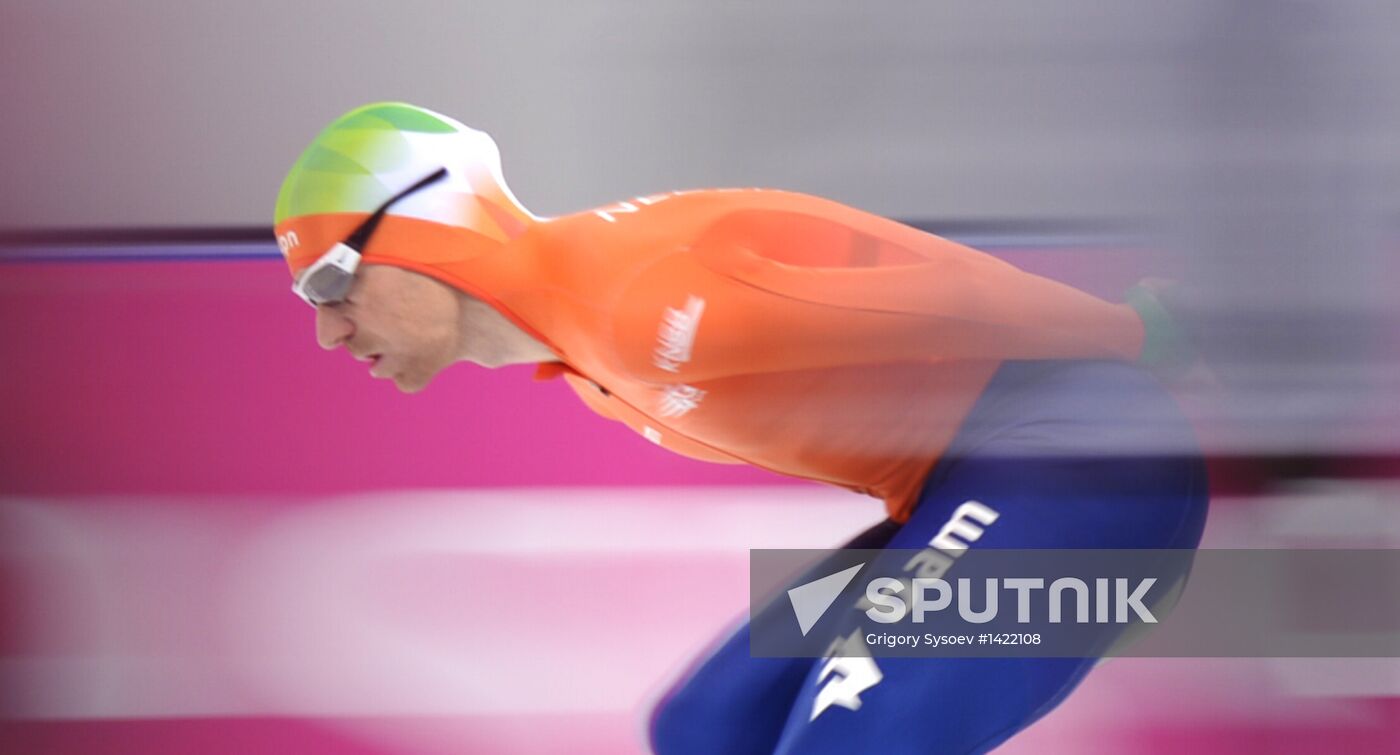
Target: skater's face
<point>406,326</point>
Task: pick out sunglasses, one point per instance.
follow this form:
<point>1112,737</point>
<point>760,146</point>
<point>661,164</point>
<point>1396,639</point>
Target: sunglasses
<point>329,278</point>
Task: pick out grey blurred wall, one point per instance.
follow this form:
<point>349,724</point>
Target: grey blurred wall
<point>148,113</point>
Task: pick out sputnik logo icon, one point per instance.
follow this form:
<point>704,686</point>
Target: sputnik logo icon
<point>811,600</point>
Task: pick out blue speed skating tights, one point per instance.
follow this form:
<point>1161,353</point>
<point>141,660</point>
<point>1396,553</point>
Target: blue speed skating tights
<point>1069,455</point>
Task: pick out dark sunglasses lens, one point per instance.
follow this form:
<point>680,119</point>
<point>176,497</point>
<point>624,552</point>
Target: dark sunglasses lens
<point>328,285</point>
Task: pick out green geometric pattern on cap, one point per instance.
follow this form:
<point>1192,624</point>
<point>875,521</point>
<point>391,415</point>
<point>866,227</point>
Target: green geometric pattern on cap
<point>339,171</point>
<point>394,115</point>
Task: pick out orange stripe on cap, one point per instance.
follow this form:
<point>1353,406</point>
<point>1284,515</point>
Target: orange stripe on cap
<point>305,238</point>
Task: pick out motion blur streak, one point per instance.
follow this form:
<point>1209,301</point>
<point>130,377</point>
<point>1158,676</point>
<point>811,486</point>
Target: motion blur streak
<point>1288,109</point>
<point>397,618</point>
